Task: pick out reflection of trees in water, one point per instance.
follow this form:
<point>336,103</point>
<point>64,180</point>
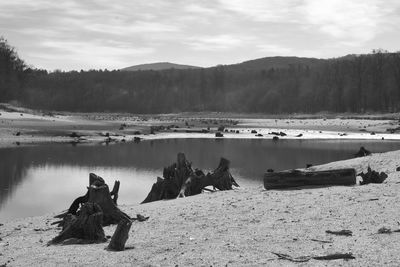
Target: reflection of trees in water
<point>13,167</point>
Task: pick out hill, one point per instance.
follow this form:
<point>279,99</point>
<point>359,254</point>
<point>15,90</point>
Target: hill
<point>159,66</point>
<point>276,62</point>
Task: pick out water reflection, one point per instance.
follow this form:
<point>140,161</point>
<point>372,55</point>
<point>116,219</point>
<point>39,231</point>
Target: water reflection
<point>39,179</point>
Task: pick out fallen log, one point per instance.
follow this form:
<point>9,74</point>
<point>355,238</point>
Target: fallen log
<point>297,178</point>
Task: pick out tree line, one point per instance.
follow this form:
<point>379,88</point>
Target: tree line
<point>354,83</point>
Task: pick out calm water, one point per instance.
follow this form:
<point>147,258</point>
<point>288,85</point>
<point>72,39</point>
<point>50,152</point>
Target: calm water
<point>35,180</point>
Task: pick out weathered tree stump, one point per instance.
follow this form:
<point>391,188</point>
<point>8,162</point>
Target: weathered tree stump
<point>362,152</point>
<point>120,235</point>
<point>99,193</point>
<point>180,180</point>
<point>174,176</point>
<point>372,176</point>
<point>83,228</point>
<point>296,178</point>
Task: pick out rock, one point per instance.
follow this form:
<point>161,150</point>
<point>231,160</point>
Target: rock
<point>253,131</point>
<point>74,135</point>
<point>275,138</point>
<point>219,134</point>
<point>397,169</point>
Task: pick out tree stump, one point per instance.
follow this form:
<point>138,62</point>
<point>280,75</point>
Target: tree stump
<point>220,179</point>
<point>362,152</point>
<point>180,180</point>
<point>372,176</point>
<point>174,177</point>
<point>99,193</point>
<point>120,235</point>
<point>83,228</point>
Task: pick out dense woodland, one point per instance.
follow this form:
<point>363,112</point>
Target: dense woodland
<point>354,83</point>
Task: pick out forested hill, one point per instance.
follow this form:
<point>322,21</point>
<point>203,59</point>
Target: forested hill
<point>356,83</point>
<point>159,66</point>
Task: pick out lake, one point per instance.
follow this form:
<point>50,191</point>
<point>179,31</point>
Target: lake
<point>35,180</point>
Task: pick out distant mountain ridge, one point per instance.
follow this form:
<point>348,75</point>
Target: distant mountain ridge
<point>276,62</point>
<point>159,66</point>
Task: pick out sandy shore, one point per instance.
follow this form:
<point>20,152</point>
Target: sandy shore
<point>237,228</point>
<point>19,126</point>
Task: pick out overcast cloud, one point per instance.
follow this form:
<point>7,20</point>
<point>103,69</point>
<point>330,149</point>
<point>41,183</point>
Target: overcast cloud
<point>78,34</point>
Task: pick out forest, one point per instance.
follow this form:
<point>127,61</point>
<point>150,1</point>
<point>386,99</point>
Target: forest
<point>273,85</point>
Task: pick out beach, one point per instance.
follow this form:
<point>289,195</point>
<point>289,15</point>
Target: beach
<point>241,227</point>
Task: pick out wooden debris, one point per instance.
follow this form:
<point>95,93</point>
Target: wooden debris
<point>372,176</point>
<point>293,259</point>
<point>321,241</point>
<point>83,228</point>
<point>180,179</point>
<point>385,230</point>
<point>296,178</point>
<point>99,193</point>
<point>120,235</point>
<point>140,218</point>
<point>335,256</point>
<point>219,134</point>
<point>341,232</point>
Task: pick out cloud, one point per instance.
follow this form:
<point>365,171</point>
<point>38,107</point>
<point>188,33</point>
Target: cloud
<point>275,50</point>
<point>212,43</point>
<point>102,33</point>
<point>351,22</point>
<point>263,10</point>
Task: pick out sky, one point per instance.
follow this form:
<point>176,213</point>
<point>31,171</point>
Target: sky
<point>104,34</point>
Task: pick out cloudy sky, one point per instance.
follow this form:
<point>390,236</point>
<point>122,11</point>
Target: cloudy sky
<point>93,34</point>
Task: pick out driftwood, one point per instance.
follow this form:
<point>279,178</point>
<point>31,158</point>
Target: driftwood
<point>335,256</point>
<point>341,232</point>
<point>372,176</point>
<point>180,179</point>
<point>83,228</point>
<point>99,193</point>
<point>297,178</point>
<point>120,236</point>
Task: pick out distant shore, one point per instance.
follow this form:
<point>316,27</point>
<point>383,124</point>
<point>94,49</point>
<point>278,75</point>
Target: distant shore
<point>240,227</point>
<point>20,126</point>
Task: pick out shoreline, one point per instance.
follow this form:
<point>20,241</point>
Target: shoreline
<point>255,222</point>
<point>20,126</point>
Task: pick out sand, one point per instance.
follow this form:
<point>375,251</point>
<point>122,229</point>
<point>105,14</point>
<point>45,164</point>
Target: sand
<point>237,228</point>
